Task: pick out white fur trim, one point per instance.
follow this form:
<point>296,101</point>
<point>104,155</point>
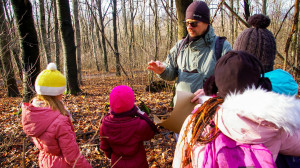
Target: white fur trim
<point>51,66</point>
<point>256,104</point>
<point>49,91</point>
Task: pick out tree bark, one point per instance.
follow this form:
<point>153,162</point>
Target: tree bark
<point>289,39</point>
<point>56,37</point>
<point>69,50</point>
<point>264,7</point>
<point>43,31</point>
<point>28,44</point>
<point>117,54</point>
<point>10,81</point>
<point>246,9</point>
<point>181,6</point>
<point>78,42</point>
<point>102,35</point>
<point>231,23</point>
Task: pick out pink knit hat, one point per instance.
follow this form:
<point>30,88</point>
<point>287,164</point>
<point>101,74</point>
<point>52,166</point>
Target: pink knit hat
<point>121,99</point>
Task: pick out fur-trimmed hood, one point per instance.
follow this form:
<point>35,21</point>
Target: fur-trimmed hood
<point>259,106</point>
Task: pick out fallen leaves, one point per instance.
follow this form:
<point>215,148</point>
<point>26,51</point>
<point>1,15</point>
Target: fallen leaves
<point>87,109</point>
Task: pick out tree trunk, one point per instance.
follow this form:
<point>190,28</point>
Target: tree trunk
<point>93,40</point>
<point>247,9</point>
<point>67,36</point>
<point>102,36</point>
<point>264,7</point>
<point>10,81</point>
<point>289,39</point>
<point>78,43</point>
<point>181,6</point>
<point>125,18</point>
<point>231,23</point>
<point>28,44</point>
<point>43,31</point>
<point>117,54</point>
<point>56,38</point>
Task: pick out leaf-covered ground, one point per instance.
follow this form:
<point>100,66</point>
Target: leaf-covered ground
<point>87,109</point>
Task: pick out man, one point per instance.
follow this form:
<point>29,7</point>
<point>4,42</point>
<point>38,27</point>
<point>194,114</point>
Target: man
<point>194,62</point>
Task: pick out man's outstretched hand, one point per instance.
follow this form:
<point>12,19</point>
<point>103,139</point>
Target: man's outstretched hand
<point>156,66</point>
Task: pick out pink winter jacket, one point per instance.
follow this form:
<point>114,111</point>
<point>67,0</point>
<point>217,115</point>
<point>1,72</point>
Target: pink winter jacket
<point>254,117</point>
<point>53,134</point>
<point>122,141</point>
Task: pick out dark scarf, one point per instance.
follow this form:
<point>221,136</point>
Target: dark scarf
<point>192,39</point>
<point>134,112</point>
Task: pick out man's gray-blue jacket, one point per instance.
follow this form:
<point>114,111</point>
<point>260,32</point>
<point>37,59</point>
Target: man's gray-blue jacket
<point>195,62</point>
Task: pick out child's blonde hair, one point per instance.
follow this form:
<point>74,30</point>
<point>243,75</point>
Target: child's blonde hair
<point>53,102</point>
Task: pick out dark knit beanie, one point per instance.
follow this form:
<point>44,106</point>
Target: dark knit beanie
<point>258,41</point>
<point>236,71</point>
<point>198,10</point>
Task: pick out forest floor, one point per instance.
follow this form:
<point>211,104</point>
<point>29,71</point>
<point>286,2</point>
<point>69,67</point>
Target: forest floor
<point>87,109</point>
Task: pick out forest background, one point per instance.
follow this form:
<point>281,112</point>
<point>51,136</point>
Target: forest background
<point>100,44</point>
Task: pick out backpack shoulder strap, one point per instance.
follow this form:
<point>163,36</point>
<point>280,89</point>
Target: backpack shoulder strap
<point>219,46</point>
<point>182,43</point>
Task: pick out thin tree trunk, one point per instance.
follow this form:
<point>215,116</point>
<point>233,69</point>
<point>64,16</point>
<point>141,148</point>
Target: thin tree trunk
<point>10,81</point>
<point>67,36</point>
<point>125,18</point>
<point>28,44</point>
<point>247,9</point>
<point>264,7</point>
<point>77,39</point>
<point>43,31</point>
<point>232,24</point>
<point>181,6</point>
<point>288,42</point>
<point>93,42</point>
<point>102,35</point>
<point>56,37</point>
<point>117,54</point>
<point>297,58</point>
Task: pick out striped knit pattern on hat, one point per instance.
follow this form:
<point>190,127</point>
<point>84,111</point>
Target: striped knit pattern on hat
<point>258,41</point>
<point>50,82</point>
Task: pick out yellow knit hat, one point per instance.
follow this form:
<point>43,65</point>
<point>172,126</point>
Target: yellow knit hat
<point>50,82</point>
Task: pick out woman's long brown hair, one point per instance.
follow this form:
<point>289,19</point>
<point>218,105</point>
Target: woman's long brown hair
<point>199,121</point>
<point>53,102</point>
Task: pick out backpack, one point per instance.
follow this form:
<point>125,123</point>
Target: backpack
<point>227,153</point>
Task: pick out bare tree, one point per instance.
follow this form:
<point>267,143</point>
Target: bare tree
<point>264,7</point>
<point>101,16</point>
<point>67,34</point>
<point>10,81</point>
<point>29,45</point>
<point>181,6</point>
<point>293,30</point>
<point>246,9</point>
<point>116,51</point>
<point>77,39</point>
<point>45,41</point>
<point>56,38</point>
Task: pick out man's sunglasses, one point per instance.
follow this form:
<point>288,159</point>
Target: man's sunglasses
<point>193,23</point>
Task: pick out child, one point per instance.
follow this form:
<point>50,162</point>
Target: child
<point>47,121</point>
<point>243,110</point>
<point>124,129</point>
<point>260,42</point>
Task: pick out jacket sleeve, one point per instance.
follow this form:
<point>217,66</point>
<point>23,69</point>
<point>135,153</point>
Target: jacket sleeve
<point>290,144</point>
<point>144,130</point>
<point>69,148</point>
<point>226,47</point>
<point>104,145</point>
<point>170,64</point>
<point>181,145</point>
